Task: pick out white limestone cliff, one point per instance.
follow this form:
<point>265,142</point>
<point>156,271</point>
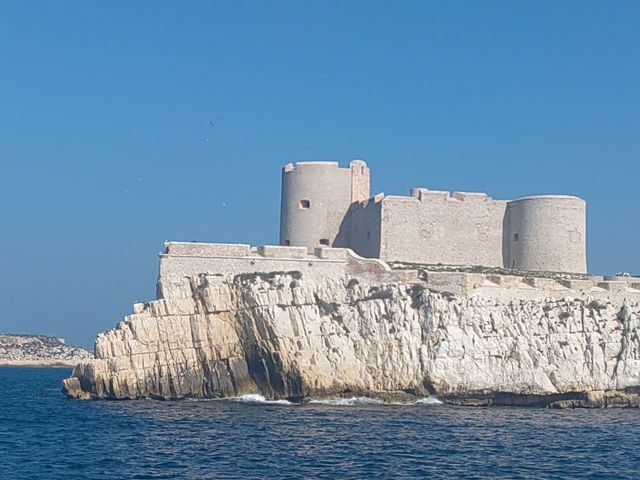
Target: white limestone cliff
<point>293,334</point>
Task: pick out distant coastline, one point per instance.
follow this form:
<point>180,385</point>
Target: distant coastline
<point>39,363</point>
<point>40,351</point>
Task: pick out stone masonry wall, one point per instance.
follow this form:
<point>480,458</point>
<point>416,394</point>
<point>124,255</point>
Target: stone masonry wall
<point>436,227</point>
<point>363,227</point>
<point>546,233</point>
<point>327,189</point>
<point>181,261</point>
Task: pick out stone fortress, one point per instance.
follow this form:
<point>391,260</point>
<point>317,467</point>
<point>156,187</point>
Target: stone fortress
<point>474,300</point>
<point>326,205</point>
<point>461,243</point>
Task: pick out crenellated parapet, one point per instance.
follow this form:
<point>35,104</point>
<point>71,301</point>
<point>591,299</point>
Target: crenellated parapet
<point>439,196</point>
<point>431,226</point>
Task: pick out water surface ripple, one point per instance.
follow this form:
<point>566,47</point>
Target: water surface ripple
<point>43,435</point>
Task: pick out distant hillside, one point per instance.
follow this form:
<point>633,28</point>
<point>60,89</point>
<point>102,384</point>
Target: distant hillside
<point>39,350</point>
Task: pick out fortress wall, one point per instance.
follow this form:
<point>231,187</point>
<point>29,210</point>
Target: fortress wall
<point>338,264</point>
<point>364,224</point>
<point>512,287</point>
<point>434,227</point>
<point>175,270</point>
<point>206,249</point>
<point>331,253</point>
<point>177,266</point>
<point>324,204</point>
<point>546,233</point>
<point>273,251</point>
<point>328,189</point>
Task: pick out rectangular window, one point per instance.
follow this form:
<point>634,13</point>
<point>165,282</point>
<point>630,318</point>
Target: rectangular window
<point>324,241</point>
<point>304,204</point>
<point>287,243</point>
<point>516,237</point>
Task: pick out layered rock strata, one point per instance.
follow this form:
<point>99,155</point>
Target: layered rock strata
<point>365,330</point>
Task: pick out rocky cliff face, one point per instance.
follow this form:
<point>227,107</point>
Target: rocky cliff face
<point>286,335</point>
<point>39,350</point>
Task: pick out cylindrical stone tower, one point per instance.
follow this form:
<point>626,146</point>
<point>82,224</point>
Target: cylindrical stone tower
<point>316,197</point>
<point>546,233</point>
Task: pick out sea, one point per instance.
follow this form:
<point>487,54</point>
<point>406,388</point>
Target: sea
<point>45,436</point>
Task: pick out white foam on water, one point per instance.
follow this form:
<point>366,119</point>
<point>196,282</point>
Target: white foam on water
<point>247,398</point>
<point>339,402</point>
<point>348,401</point>
<point>354,401</point>
<point>428,401</point>
<point>257,398</point>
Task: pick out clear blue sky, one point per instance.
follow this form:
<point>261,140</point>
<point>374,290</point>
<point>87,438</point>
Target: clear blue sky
<point>106,147</point>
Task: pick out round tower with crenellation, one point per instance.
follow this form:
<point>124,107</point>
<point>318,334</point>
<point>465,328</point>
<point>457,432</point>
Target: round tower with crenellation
<point>316,197</point>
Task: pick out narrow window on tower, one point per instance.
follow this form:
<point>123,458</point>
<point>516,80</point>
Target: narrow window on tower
<point>516,237</point>
<point>304,204</point>
<point>324,241</point>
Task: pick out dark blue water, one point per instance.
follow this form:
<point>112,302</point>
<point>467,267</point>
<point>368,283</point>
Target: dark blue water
<point>44,436</point>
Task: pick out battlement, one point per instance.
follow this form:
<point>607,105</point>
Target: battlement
<point>197,249</point>
<point>266,252</point>
<point>231,250</point>
<point>290,167</point>
<point>424,194</point>
<point>324,164</point>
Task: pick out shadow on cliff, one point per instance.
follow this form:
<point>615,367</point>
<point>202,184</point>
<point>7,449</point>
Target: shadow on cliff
<point>264,364</point>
